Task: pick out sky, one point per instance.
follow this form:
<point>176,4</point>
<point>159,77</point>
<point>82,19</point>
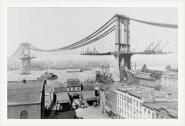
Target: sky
<point>55,27</point>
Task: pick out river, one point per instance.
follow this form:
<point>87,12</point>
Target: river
<point>63,75</point>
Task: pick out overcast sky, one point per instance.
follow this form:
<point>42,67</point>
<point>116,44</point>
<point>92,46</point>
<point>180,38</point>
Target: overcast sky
<point>50,28</point>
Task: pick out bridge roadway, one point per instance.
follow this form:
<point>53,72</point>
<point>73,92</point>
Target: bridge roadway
<point>125,53</point>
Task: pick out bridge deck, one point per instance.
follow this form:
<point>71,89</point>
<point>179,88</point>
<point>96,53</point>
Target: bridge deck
<point>125,53</point>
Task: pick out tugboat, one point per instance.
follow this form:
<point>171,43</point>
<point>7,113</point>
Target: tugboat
<point>75,70</point>
<point>48,76</point>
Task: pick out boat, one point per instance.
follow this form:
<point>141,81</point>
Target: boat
<point>105,76</point>
<point>75,70</point>
<point>86,69</point>
<point>48,76</point>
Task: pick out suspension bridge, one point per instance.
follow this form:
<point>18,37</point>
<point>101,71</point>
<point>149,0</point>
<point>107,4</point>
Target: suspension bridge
<point>122,52</point>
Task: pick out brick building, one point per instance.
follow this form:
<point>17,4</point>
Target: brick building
<point>26,99</point>
<point>139,102</point>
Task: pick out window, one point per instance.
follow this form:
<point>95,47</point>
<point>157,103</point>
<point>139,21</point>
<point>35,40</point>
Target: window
<point>152,115</point>
<point>71,88</point>
<point>125,98</point>
<point>148,111</point>
<point>157,115</point>
<point>24,115</point>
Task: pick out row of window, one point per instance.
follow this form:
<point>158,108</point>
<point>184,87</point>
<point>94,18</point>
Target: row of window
<point>126,114</point>
<point>74,89</point>
<point>134,109</point>
<point>135,114</point>
<point>124,98</point>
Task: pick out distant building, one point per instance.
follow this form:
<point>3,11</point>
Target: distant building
<point>26,99</point>
<point>140,102</point>
<point>169,79</point>
<point>146,79</point>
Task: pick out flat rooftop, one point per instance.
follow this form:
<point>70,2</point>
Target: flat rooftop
<point>57,86</point>
<point>73,82</point>
<point>145,93</point>
<point>113,86</point>
<point>28,92</point>
<point>63,97</point>
<point>170,107</point>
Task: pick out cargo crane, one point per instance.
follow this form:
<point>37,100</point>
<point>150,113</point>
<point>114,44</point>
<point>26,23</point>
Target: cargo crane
<point>160,49</point>
<point>156,49</point>
<point>149,47</point>
<point>156,46</point>
<point>150,50</point>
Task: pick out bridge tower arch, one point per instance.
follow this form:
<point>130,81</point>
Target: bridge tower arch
<point>26,58</point>
<point>122,44</point>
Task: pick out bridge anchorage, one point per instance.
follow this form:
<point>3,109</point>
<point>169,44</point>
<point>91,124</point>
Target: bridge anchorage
<point>122,52</point>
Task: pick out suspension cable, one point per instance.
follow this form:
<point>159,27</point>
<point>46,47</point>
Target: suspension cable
<point>96,39</point>
<point>101,29</point>
<point>156,24</point>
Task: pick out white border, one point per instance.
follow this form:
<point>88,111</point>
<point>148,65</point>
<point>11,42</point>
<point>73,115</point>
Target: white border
<point>80,3</point>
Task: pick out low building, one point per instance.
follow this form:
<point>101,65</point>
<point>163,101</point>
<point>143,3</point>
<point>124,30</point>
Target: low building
<point>135,102</point>
<point>26,99</point>
<point>89,96</point>
<point>87,87</point>
<point>63,102</point>
<point>169,79</point>
<point>58,87</point>
<point>108,98</point>
<point>74,87</point>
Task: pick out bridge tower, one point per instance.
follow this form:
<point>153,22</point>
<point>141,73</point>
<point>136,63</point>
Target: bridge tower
<point>26,58</point>
<point>122,53</point>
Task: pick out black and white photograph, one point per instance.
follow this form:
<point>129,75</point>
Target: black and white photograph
<point>92,63</point>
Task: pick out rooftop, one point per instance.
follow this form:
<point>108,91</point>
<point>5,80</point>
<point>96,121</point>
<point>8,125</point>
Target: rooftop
<point>114,86</point>
<point>147,94</point>
<point>28,92</point>
<point>57,86</point>
<point>170,107</point>
<point>62,97</point>
<point>73,82</point>
<point>89,95</point>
